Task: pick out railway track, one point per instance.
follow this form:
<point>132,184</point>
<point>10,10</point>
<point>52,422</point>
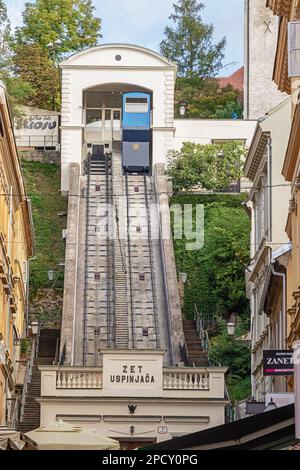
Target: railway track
<point>120,306</point>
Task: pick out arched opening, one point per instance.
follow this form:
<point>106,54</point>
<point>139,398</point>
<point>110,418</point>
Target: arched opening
<point>102,116</point>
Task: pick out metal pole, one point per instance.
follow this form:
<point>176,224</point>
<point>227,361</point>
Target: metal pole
<point>296,347</point>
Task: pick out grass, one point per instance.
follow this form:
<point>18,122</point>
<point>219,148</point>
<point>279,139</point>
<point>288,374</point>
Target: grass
<point>43,188</point>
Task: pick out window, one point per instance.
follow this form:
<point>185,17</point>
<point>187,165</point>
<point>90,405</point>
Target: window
<point>136,105</point>
<point>93,117</point>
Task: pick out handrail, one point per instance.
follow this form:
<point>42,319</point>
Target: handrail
<point>165,276</point>
<point>28,373</point>
<point>203,335</point>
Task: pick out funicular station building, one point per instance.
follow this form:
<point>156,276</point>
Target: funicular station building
<point>124,366</point>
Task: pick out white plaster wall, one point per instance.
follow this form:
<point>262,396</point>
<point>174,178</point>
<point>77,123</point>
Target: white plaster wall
<point>261,30</point>
<point>278,123</point>
<point>205,131</point>
<point>111,418</point>
<point>98,66</point>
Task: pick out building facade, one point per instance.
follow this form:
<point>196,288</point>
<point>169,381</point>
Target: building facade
<point>261,29</point>
<point>287,78</point>
<point>16,246</point>
<point>270,247</point>
<point>93,83</point>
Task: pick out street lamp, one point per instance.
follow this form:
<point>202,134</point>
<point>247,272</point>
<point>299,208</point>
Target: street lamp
<point>53,47</point>
<point>51,275</point>
<point>34,327</point>
<point>231,325</point>
<point>182,111</point>
<point>183,277</point>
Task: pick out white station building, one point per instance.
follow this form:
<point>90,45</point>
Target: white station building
<point>134,391</point>
<point>93,82</point>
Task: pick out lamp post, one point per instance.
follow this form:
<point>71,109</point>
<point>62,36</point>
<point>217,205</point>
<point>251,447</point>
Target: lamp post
<point>53,45</point>
<point>51,275</point>
<point>34,327</point>
<point>182,110</point>
<point>181,283</point>
<point>231,325</point>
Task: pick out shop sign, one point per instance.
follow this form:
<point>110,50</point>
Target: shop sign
<point>278,363</point>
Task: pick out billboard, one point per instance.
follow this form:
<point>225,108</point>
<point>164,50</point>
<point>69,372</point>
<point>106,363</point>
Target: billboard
<point>37,128</point>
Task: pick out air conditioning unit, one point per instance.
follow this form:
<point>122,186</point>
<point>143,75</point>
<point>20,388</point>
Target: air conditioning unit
<point>294,49</point>
<point>64,234</point>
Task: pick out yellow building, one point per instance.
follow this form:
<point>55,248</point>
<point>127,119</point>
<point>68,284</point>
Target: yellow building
<point>287,78</point>
<point>16,246</point>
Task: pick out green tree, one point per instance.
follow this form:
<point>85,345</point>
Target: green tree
<point>205,99</point>
<point>36,69</point>
<point>212,167</point>
<point>190,42</point>
<point>69,24</point>
<point>216,273</point>
<point>19,91</point>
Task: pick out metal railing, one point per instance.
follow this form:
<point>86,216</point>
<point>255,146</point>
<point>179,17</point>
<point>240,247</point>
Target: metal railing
<point>28,373</point>
<point>38,142</point>
<point>203,335</point>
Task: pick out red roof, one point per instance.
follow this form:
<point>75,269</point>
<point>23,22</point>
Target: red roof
<point>236,80</point>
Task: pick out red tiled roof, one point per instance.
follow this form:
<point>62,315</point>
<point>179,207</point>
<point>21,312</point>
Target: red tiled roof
<point>236,80</point>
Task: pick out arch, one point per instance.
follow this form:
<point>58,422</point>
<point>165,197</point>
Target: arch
<point>86,56</point>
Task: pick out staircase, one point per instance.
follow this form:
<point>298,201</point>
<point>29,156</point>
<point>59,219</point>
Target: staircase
<point>97,165</point>
<point>198,357</point>
<point>45,356</point>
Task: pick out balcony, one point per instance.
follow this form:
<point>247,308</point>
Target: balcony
<point>175,383</point>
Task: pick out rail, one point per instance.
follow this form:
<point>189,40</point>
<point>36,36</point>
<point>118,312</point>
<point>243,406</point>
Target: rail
<point>85,305</point>
<point>152,271</point>
<point>38,142</point>
<point>28,373</point>
<point>129,261</point>
<point>165,275</point>
<point>203,335</point>
<point>91,378</point>
<point>109,259</point>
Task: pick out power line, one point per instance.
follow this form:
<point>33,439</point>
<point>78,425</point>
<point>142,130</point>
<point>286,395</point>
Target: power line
<point>190,193</point>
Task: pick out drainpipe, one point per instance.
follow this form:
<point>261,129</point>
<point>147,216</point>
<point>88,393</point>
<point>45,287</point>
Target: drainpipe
<point>283,309</point>
<point>269,159</point>
<point>296,347</point>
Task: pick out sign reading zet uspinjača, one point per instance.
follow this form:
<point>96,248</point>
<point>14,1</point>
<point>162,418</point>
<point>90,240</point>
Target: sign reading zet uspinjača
<point>133,374</point>
<point>130,374</point>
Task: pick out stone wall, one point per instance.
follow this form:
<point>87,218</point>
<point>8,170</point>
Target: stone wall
<point>42,156</point>
<point>261,31</point>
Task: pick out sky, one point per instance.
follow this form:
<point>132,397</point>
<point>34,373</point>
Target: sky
<point>142,22</point>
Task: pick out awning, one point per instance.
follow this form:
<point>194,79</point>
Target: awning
<point>270,430</point>
<point>14,440</point>
<point>64,436</point>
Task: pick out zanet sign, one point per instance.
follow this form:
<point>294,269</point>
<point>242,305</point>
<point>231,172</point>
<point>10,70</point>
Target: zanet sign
<point>278,363</point>
<point>132,373</point>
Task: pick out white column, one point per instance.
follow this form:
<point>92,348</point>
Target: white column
<point>296,347</point>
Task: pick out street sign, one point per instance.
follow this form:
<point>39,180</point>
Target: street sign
<point>278,363</point>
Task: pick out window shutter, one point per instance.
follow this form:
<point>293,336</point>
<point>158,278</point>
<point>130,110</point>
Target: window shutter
<point>294,48</point>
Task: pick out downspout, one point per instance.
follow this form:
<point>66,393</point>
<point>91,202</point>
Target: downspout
<point>284,306</point>
<point>247,57</point>
<point>269,188</point>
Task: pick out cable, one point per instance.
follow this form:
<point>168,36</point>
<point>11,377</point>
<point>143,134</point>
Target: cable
<point>25,196</point>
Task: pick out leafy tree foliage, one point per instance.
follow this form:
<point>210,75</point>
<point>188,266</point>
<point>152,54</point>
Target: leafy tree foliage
<point>234,354</point>
<point>70,24</point>
<point>190,42</point>
<point>213,167</point>
<point>205,99</point>
<point>216,273</point>
<point>36,69</point>
<point>19,90</point>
